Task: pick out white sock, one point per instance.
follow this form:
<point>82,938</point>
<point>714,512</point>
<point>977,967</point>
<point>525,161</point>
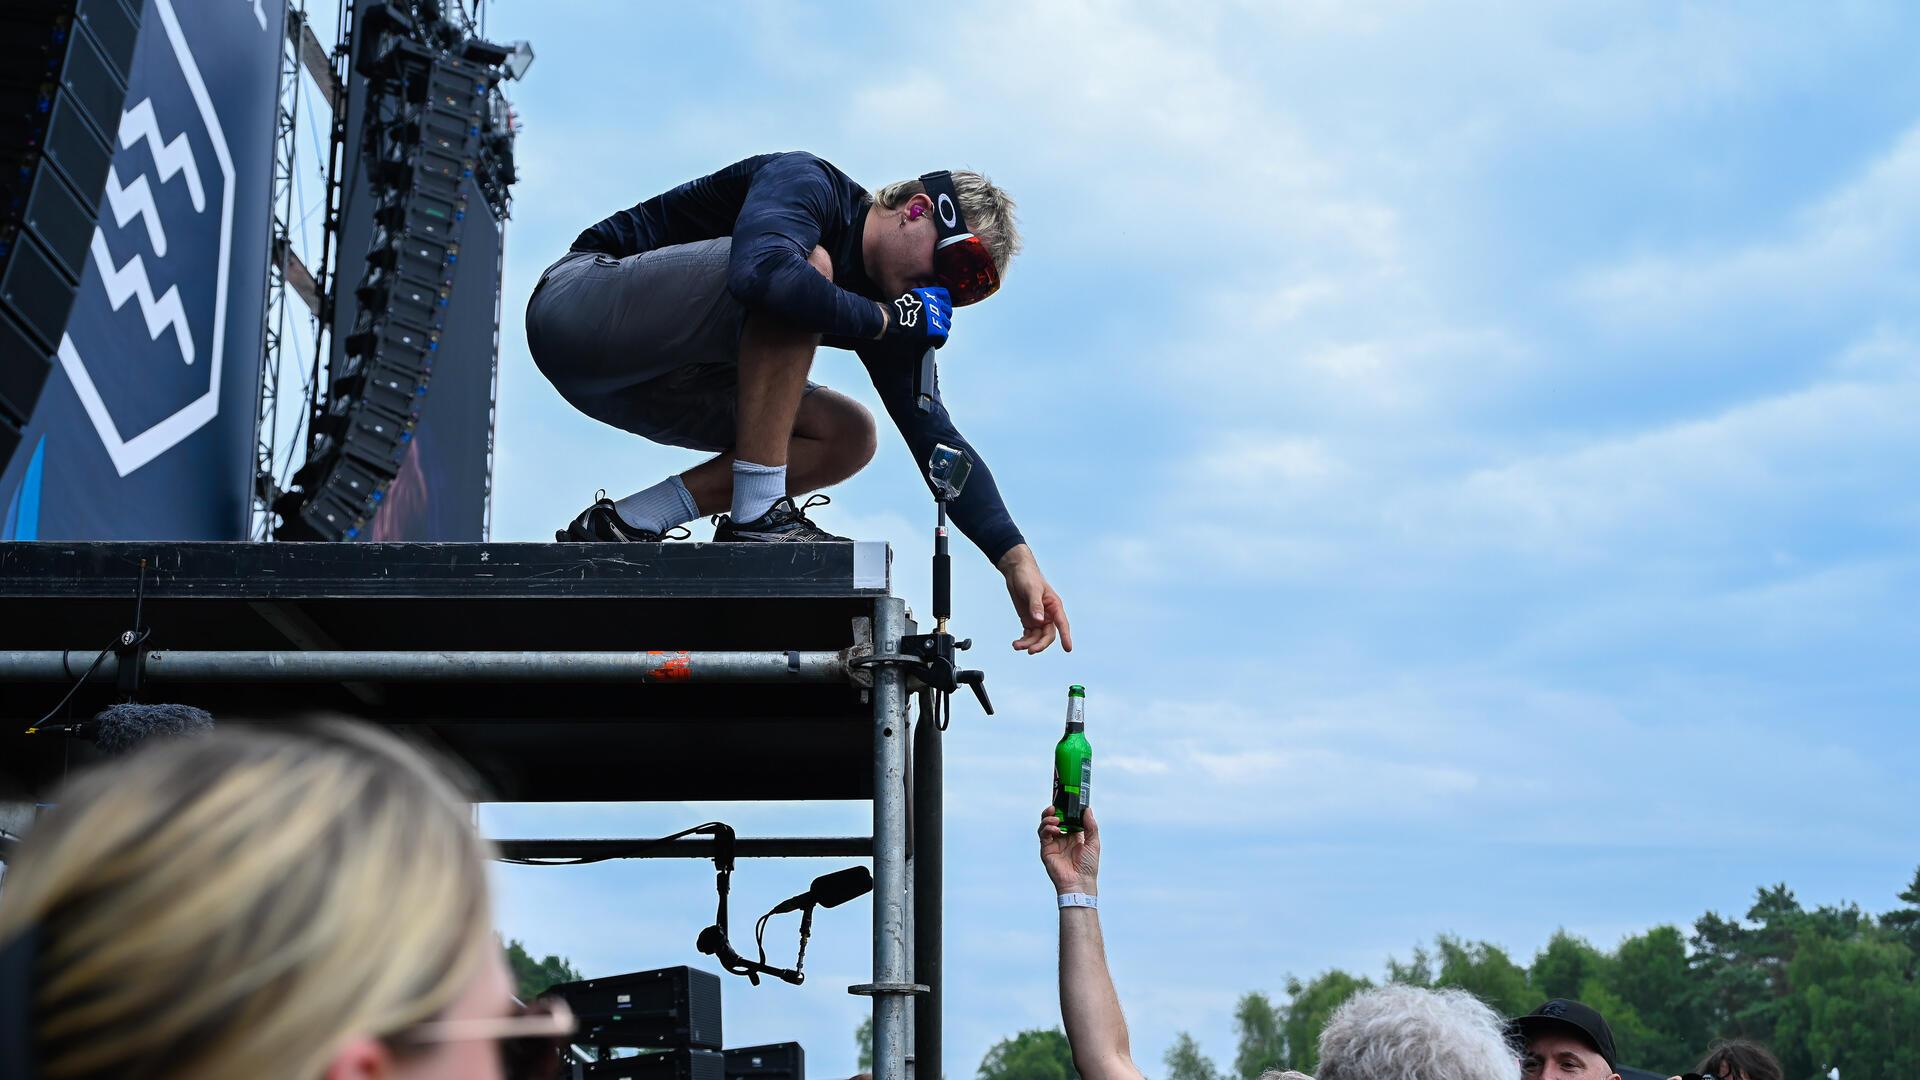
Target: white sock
<point>755,489</point>
<point>660,507</point>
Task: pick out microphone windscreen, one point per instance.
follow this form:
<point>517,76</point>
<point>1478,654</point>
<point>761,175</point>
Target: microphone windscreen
<point>832,890</point>
<point>120,728</point>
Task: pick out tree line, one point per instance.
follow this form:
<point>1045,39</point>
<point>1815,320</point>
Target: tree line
<point>1831,987</point>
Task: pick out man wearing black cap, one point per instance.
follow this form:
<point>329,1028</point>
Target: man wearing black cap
<point>1564,1040</point>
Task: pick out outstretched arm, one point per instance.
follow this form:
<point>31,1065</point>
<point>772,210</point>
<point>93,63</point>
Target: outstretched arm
<point>980,513</point>
<point>1089,1006</point>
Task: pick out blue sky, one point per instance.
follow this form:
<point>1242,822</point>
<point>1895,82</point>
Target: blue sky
<point>1475,443</point>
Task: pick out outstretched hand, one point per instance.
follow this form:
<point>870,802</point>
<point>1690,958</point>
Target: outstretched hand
<point>1072,859</point>
<point>1043,615</point>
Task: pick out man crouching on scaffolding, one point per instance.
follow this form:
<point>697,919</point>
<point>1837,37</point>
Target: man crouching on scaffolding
<point>692,318</point>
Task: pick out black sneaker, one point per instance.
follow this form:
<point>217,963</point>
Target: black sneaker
<point>601,523</point>
<point>783,523</point>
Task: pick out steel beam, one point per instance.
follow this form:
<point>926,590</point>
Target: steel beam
<point>765,847</point>
<point>217,666</point>
<point>313,56</point>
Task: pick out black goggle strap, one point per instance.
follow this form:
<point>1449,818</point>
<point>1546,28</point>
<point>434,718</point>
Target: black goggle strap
<point>949,223</point>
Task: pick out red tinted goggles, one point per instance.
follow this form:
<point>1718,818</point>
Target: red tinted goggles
<point>961,260</point>
<point>965,268</point>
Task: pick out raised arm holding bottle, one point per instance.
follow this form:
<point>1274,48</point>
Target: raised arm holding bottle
<point>1089,1006</point>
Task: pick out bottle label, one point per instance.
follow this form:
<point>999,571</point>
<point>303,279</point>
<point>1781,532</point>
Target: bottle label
<point>1071,802</point>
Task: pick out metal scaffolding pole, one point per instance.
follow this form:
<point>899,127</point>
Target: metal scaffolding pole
<point>281,224</point>
<point>893,987</point>
<point>368,667</point>
<point>929,851</point>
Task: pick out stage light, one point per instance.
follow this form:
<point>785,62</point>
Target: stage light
<point>520,61</point>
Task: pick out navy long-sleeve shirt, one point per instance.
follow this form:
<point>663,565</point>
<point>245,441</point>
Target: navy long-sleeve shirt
<point>777,208</point>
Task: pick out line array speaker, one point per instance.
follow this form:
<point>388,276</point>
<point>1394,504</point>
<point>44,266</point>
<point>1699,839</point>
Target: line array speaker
<point>425,133</point>
<point>63,84</point>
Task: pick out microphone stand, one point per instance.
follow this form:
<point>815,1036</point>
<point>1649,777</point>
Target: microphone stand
<point>713,941</point>
<point>931,657</point>
<point>934,656</point>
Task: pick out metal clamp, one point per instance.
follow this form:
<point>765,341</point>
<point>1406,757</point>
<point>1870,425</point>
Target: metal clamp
<point>930,660</point>
<point>877,989</point>
<point>859,654</point>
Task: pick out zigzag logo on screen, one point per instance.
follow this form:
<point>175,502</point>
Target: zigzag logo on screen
<point>146,343</point>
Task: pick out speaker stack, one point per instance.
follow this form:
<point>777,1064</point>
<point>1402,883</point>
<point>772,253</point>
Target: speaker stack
<point>423,140</point>
<point>63,84</point>
<point>671,1016</point>
<point>775,1061</point>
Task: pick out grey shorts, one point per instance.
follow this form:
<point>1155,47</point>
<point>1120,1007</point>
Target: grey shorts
<point>649,343</point>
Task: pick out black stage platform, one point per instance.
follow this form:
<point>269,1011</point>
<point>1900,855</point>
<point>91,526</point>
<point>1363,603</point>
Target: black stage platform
<point>549,737</point>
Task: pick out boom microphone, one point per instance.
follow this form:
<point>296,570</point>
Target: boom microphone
<point>830,890</point>
<point>834,889</point>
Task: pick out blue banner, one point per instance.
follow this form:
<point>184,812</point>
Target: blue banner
<point>145,430</point>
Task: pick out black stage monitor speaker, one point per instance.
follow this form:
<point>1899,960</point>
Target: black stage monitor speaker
<point>676,1007</point>
<point>775,1061</point>
<point>685,1064</point>
<point>63,76</point>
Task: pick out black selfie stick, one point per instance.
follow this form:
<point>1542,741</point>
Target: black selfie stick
<point>930,657</point>
<point>934,661</point>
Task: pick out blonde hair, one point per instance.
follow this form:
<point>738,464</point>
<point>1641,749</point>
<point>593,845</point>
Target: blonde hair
<point>239,905</point>
<point>988,210</point>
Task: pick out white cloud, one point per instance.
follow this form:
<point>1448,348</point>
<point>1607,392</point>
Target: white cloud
<point>1736,484</point>
<point>1849,251</point>
<point>1382,562</point>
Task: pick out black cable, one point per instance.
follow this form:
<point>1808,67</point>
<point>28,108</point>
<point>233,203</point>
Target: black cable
<point>75,688</point>
<point>623,852</point>
<point>760,936</point>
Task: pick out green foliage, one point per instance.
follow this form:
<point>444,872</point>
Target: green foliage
<point>1262,1047</point>
<point>1904,924</point>
<point>1416,972</point>
<point>1186,1062</point>
<point>1486,972</point>
<point>1562,968</point>
<point>1306,1012</point>
<point>1650,979</point>
<point>532,977</point>
<point>1030,1055</point>
<point>1632,1034</point>
<point>1829,988</point>
<point>1858,1012</point>
<point>863,1039</point>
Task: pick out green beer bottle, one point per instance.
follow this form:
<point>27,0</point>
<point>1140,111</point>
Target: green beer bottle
<point>1073,764</point>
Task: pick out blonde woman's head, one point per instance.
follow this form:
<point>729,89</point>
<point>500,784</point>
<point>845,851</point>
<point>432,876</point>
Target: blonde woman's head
<point>248,904</point>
